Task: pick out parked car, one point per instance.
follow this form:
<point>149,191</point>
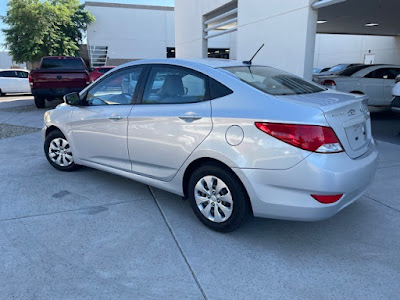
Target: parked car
<point>395,105</point>
<point>57,76</point>
<point>376,81</point>
<point>232,138</point>
<point>317,71</point>
<point>98,72</point>
<point>336,69</point>
<point>14,81</point>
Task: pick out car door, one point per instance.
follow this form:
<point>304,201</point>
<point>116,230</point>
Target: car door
<point>23,82</point>
<point>9,82</point>
<point>99,128</point>
<point>173,118</point>
<point>374,83</point>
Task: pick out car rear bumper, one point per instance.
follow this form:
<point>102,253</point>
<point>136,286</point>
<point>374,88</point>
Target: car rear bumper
<point>395,105</point>
<point>286,194</point>
<point>54,92</point>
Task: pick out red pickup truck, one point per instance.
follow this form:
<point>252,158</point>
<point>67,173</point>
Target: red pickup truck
<point>57,76</point>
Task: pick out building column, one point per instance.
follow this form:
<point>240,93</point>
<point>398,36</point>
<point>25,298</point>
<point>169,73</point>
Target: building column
<point>287,28</point>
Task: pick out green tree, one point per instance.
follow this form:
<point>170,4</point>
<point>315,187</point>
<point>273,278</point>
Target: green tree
<point>36,28</point>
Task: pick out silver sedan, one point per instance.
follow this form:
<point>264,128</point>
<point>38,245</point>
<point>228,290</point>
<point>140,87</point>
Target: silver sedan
<point>235,139</point>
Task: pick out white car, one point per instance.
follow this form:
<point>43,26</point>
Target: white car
<point>395,105</point>
<point>231,137</point>
<point>375,81</point>
<point>14,81</point>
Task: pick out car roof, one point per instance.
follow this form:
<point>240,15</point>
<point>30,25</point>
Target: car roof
<point>1,70</point>
<point>210,62</point>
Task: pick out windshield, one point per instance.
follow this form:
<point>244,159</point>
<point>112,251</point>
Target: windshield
<point>273,81</point>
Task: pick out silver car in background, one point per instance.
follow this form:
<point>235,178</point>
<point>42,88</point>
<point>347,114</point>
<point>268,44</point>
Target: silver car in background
<point>235,139</point>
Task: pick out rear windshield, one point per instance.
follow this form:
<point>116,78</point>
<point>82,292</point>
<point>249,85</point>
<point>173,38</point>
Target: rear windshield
<point>62,63</point>
<point>273,81</point>
<point>350,71</point>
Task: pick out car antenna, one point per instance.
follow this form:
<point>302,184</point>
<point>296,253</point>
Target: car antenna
<point>248,62</point>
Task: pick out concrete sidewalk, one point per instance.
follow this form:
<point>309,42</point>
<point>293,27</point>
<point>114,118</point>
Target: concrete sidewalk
<point>94,235</point>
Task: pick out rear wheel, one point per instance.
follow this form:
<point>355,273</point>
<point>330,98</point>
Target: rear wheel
<point>40,102</point>
<point>2,94</point>
<point>218,198</point>
<point>58,152</point>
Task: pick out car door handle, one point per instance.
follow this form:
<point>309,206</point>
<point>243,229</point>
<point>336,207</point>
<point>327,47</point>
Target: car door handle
<point>115,117</point>
<point>189,117</point>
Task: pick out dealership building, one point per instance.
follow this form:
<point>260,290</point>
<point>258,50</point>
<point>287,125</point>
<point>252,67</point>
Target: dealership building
<point>298,35</point>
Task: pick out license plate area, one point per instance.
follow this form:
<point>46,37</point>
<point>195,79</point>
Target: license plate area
<point>357,135</point>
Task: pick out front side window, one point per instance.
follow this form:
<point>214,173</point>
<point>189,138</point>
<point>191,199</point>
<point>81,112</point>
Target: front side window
<point>8,74</point>
<point>118,88</point>
<point>167,85</point>
<point>273,81</point>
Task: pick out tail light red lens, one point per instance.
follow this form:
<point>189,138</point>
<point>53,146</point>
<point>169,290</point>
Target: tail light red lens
<point>313,138</point>
<point>30,79</point>
<point>326,199</point>
<point>87,78</point>
<point>328,82</point>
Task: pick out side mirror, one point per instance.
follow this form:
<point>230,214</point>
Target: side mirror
<point>72,99</point>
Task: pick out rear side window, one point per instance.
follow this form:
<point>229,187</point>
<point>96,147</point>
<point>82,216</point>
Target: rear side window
<point>22,74</point>
<point>350,71</point>
<point>218,90</point>
<point>62,64</point>
<point>173,85</point>
<point>273,81</point>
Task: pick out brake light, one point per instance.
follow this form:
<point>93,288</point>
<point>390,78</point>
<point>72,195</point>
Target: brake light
<point>30,79</point>
<point>313,138</point>
<point>326,199</point>
<point>328,82</point>
<point>87,78</point>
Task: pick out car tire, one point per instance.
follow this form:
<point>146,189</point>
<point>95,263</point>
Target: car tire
<point>58,152</point>
<point>2,94</point>
<point>212,187</point>
<point>40,102</point>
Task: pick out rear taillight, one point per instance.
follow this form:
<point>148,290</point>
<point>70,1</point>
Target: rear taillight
<point>87,78</point>
<point>30,80</point>
<point>313,138</point>
<point>326,199</point>
<point>328,82</point>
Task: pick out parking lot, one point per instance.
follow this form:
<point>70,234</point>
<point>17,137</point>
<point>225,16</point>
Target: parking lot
<point>90,234</point>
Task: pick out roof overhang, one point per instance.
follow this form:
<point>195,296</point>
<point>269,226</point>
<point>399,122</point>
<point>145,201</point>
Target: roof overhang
<point>351,16</point>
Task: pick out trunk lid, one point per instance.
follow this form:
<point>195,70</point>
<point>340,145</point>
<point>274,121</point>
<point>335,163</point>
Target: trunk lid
<point>347,114</point>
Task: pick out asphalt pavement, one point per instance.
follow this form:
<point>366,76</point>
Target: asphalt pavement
<point>93,235</point>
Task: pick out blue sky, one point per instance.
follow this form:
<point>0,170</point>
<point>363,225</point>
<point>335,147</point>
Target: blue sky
<point>3,9</point>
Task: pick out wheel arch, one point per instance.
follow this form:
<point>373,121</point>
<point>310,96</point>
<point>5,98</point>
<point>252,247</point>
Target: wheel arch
<point>53,128</point>
<point>357,92</point>
<point>208,160</point>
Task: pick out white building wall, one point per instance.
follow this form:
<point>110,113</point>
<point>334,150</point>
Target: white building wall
<point>332,49</point>
<point>132,33</point>
<point>189,28</point>
<point>6,61</point>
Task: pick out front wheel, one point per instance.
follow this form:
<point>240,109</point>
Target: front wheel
<point>218,198</point>
<point>58,152</point>
<point>40,102</point>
